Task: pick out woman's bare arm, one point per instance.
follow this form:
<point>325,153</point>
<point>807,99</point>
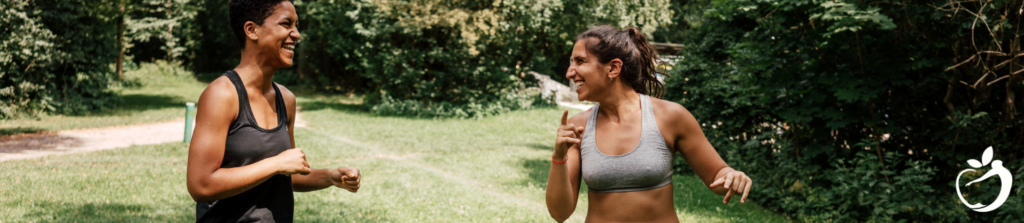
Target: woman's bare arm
<point>206,181</point>
<point>563,188</point>
<point>344,177</point>
<point>688,138</point>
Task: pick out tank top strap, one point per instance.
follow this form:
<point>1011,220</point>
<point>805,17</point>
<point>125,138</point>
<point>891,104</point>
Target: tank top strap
<point>588,132</point>
<point>282,109</point>
<point>647,118</point>
<point>243,100</point>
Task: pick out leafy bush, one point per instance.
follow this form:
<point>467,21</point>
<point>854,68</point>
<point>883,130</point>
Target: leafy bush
<point>54,57</point>
<point>429,58</point>
<point>444,58</point>
<point>856,110</point>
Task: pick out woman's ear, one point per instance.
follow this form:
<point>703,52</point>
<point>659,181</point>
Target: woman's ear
<point>614,68</point>
<point>250,30</point>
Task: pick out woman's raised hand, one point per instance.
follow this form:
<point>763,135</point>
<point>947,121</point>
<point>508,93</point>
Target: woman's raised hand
<point>737,182</point>
<point>568,136</point>
<point>292,161</point>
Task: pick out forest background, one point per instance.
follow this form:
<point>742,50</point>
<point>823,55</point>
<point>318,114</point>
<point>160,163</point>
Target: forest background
<point>883,101</point>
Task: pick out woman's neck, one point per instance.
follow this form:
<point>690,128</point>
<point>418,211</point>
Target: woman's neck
<point>256,72</point>
<point>622,101</point>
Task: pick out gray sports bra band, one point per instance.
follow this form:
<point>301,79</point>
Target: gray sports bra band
<point>646,167</point>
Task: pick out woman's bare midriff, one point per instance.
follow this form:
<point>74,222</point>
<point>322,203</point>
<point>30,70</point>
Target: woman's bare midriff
<point>653,205</point>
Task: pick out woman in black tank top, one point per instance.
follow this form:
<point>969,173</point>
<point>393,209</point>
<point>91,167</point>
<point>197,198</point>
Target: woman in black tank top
<point>242,162</point>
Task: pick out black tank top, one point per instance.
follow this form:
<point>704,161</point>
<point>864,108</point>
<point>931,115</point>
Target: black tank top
<point>247,143</point>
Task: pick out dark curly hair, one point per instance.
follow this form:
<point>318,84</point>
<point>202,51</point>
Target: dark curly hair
<point>241,11</point>
<point>629,45</point>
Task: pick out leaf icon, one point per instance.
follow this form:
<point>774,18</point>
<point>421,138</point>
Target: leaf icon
<point>986,157</point>
<point>974,163</point>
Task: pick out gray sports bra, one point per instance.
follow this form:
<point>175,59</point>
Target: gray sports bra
<point>648,166</point>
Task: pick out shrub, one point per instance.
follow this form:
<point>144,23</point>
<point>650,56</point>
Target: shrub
<point>443,58</point>
<point>54,57</point>
<point>853,110</point>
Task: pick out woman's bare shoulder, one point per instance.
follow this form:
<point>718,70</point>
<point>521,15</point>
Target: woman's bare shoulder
<point>220,90</point>
<point>580,119</point>
<point>285,93</point>
<point>665,109</point>
<point>220,95</point>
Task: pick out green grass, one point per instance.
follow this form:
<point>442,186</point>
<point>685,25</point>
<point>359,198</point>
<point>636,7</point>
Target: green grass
<point>415,170</point>
<point>159,94</point>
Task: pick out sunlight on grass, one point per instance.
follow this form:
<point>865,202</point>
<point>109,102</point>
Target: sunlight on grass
<point>414,170</point>
<point>154,92</point>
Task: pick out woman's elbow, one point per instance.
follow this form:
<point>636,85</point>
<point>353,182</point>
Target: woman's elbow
<point>558,216</point>
<point>559,213</point>
<point>196,196</point>
<point>198,193</point>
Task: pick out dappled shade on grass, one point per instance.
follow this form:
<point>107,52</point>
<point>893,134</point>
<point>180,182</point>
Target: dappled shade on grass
<point>492,169</point>
<point>158,92</point>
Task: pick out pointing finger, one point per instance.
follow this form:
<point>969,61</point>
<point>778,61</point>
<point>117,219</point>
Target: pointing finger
<point>728,195</point>
<point>565,115</point>
<point>746,191</point>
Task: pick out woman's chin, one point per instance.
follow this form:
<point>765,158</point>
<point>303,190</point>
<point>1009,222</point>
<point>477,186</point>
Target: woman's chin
<point>287,62</point>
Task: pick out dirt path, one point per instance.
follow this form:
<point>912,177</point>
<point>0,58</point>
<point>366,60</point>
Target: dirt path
<point>25,146</point>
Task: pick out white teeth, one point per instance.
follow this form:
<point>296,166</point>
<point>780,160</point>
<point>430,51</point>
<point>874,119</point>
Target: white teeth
<point>289,46</point>
<point>580,83</point>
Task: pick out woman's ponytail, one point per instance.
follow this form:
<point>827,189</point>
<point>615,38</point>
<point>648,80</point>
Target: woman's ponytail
<point>647,57</point>
<point>637,55</point>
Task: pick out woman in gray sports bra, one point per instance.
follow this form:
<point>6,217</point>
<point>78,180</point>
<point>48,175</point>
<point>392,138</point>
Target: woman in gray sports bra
<point>623,146</point>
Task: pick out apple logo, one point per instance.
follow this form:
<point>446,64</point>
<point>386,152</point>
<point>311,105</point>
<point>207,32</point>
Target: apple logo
<point>997,169</point>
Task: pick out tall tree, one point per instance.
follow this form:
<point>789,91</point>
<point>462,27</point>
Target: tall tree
<point>120,39</point>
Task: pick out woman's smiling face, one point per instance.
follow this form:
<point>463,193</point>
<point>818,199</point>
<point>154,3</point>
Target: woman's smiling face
<point>278,35</point>
<point>589,74</point>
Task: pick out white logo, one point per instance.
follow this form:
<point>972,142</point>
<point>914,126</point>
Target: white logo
<point>997,169</point>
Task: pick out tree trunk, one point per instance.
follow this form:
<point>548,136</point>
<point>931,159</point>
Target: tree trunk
<point>120,43</point>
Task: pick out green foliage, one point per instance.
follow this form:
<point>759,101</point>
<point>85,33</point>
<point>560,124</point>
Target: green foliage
<point>54,57</point>
<point>422,58</point>
<point>444,58</point>
<point>854,110</point>
<point>161,29</point>
<point>207,38</point>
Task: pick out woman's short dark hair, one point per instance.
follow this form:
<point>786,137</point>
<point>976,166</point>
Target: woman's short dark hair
<point>241,11</point>
<point>629,45</point>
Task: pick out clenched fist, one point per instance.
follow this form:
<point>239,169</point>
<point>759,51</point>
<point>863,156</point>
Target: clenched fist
<point>346,177</point>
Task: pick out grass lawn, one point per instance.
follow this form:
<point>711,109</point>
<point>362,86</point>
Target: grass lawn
<point>159,95</point>
<point>415,170</point>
